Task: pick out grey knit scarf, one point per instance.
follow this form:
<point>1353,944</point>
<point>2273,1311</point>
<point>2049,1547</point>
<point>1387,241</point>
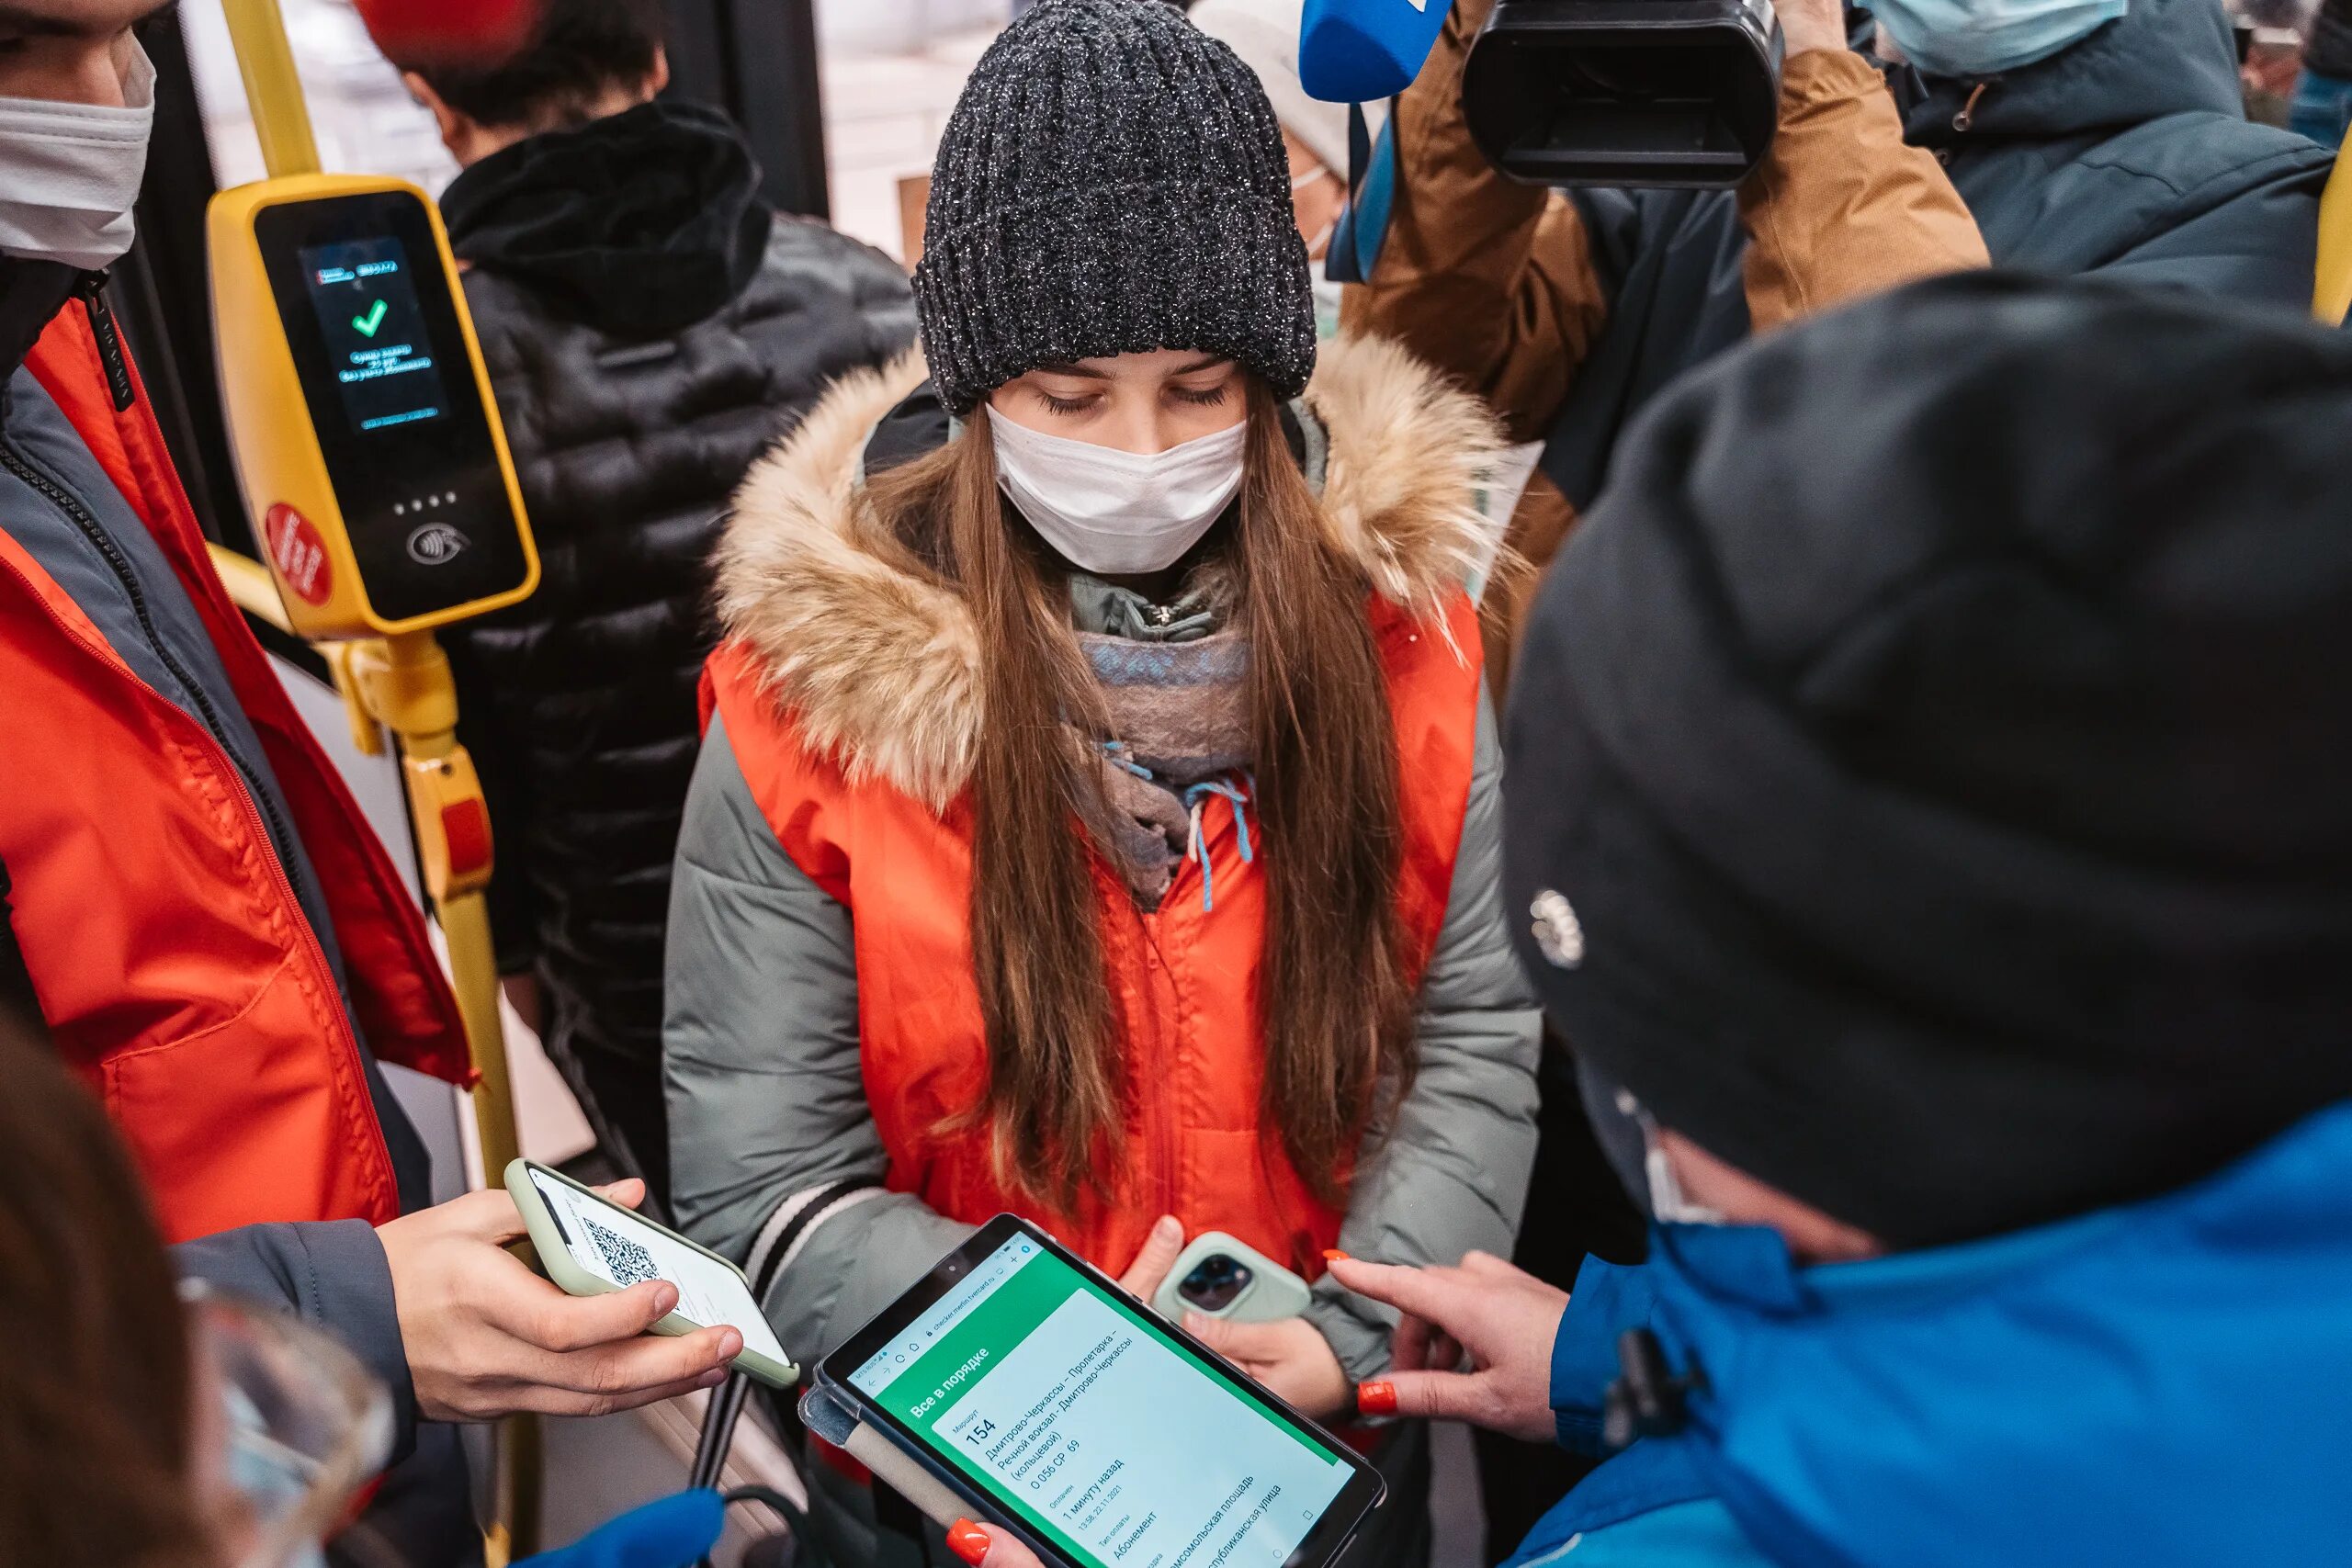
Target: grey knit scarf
<point>1174,683</point>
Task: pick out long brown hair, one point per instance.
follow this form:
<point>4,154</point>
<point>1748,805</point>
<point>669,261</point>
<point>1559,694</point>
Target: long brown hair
<point>95,1429</point>
<point>1332,994</point>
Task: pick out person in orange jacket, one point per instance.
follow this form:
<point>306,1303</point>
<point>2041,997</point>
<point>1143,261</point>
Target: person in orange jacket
<point>200,916</point>
<point>1097,816</point>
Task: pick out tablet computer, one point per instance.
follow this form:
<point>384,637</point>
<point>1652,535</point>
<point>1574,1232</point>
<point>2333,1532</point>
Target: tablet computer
<point>1104,1436</point>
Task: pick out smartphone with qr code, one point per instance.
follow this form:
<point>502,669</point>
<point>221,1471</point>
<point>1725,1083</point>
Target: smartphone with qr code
<point>589,1246</point>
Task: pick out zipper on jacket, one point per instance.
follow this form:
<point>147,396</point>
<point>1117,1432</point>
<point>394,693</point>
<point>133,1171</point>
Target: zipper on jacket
<point>93,292</point>
<point>1160,1131</point>
<point>254,815</point>
<point>280,837</point>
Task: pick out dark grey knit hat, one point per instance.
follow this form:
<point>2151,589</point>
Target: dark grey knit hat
<point>1929,791</point>
<point>1113,181</point>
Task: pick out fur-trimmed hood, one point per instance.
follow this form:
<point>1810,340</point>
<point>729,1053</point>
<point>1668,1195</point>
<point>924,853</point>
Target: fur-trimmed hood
<point>880,667</point>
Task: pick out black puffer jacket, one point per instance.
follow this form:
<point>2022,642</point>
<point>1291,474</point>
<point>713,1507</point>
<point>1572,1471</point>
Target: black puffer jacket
<point>650,328</point>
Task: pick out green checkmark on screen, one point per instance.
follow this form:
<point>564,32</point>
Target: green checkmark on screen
<point>372,320</point>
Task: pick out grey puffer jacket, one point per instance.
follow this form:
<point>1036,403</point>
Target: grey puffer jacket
<point>777,1158</point>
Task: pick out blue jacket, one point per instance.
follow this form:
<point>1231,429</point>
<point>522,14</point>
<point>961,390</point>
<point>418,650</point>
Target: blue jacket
<point>2128,156</point>
<point>2166,1385</point>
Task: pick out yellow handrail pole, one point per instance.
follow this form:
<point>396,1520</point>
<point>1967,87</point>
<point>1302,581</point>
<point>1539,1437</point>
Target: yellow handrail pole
<point>404,684</point>
<point>2332,298</point>
<point>273,88</point>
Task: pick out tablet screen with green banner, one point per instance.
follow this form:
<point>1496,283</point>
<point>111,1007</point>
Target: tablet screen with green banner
<point>1097,1426</point>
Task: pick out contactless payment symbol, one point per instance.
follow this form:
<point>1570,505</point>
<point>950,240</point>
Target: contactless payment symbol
<point>435,544</point>
<point>298,553</point>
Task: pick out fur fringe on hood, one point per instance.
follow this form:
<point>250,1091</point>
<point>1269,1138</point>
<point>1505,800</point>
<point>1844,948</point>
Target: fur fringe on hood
<point>880,667</point>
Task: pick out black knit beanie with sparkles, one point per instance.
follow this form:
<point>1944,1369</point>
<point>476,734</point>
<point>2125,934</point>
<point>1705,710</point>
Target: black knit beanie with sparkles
<point>1113,181</point>
<point>1928,782</point>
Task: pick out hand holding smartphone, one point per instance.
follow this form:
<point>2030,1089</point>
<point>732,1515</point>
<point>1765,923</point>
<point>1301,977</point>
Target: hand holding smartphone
<point>1219,1276</point>
<point>590,1246</point>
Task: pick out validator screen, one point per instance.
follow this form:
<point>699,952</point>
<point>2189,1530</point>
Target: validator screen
<point>1079,1414</point>
<point>377,348</point>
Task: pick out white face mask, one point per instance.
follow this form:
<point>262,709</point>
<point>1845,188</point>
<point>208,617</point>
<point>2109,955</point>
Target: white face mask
<point>69,172</point>
<point>1117,513</point>
<point>1964,39</point>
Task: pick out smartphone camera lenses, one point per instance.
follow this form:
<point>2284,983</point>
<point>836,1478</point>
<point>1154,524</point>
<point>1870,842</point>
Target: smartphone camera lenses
<point>1215,1283</point>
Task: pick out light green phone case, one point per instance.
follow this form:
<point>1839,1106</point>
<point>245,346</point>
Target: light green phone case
<point>556,1262</point>
<point>1273,1292</point>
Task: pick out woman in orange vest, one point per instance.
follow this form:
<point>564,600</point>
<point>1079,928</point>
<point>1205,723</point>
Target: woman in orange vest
<point>1097,815</point>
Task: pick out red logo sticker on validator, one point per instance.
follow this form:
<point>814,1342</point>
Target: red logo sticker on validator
<point>300,554</point>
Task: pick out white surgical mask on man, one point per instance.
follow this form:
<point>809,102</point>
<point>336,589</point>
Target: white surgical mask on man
<point>1968,39</point>
<point>70,173</point>
<point>1117,513</point>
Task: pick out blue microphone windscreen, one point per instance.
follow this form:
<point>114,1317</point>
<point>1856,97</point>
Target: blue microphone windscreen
<point>1353,52</point>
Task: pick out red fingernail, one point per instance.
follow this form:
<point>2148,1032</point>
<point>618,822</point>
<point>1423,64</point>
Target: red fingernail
<point>968,1541</point>
<point>1376,1398</point>
<point>1333,1255</point>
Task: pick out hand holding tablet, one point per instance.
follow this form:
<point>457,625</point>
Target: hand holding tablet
<point>1097,1435</point>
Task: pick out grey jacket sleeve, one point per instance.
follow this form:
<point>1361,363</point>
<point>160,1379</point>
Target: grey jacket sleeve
<point>1450,1176</point>
<point>774,1159</point>
<point>330,1273</point>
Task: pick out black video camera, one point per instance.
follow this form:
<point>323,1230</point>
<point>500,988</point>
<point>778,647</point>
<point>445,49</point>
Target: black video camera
<point>1664,92</point>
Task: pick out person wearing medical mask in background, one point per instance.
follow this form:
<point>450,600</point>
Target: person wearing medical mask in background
<point>1097,816</point>
<point>2107,136</point>
<point>196,909</point>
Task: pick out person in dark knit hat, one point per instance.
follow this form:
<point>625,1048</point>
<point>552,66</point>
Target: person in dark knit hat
<point>1930,818</point>
<point>1099,818</point>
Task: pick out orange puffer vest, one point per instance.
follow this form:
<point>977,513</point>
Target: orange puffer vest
<point>846,689</point>
<point>172,964</point>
